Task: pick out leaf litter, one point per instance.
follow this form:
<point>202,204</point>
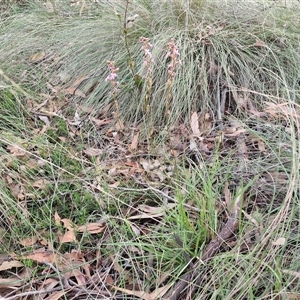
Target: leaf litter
<point>127,165</point>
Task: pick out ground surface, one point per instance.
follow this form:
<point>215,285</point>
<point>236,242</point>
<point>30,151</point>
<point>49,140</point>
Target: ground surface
<point>177,179</point>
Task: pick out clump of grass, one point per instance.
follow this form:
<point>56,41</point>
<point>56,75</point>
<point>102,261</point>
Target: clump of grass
<point>210,53</point>
<point>231,71</point>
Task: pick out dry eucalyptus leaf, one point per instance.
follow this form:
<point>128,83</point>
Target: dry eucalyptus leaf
<point>195,123</point>
<point>92,228</point>
<point>155,295</point>
<point>28,241</point>
<point>93,152</point>
<point>135,141</point>
<point>6,265</point>
<point>45,119</point>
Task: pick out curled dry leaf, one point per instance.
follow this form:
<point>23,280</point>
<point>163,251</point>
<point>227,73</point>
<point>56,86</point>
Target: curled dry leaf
<point>45,119</point>
<point>134,142</point>
<point>68,237</point>
<point>155,295</point>
<point>16,150</point>
<point>135,229</point>
<point>29,241</point>
<point>57,219</point>
<point>41,183</point>
<point>100,123</point>
<point>57,295</point>
<point>6,265</point>
<point>41,256</point>
<point>195,124</point>
<point>93,152</point>
<point>227,195</point>
<point>155,209</point>
<point>152,211</point>
<point>92,228</point>
<point>11,282</point>
<point>145,164</point>
<point>74,88</point>
<point>37,57</point>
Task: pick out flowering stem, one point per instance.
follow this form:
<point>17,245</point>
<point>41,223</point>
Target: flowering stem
<point>127,25</point>
<point>147,61</point>
<point>173,54</point>
<point>112,78</point>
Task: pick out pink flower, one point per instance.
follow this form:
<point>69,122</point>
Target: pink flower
<point>111,77</point>
<point>174,55</point>
<point>146,47</point>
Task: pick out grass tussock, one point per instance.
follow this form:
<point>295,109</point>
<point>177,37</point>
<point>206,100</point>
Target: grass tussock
<point>153,146</point>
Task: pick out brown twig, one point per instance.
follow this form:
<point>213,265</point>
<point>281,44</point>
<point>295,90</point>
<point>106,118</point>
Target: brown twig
<point>25,294</point>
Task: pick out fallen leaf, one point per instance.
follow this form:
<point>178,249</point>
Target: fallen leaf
<point>18,191</point>
<point>37,57</point>
<point>41,183</point>
<point>100,123</point>
<point>41,256</point>
<point>134,142</point>
<point>45,119</point>
<point>156,294</point>
<point>152,211</point>
<point>232,132</point>
<point>195,124</point>
<point>11,282</point>
<point>74,88</point>
<point>57,219</point>
<point>227,195</point>
<point>135,229</point>
<point>16,150</point>
<point>6,265</point>
<point>67,223</point>
<point>58,295</point>
<point>146,216</point>
<point>28,241</point>
<point>92,228</point>
<point>93,152</point>
<point>155,209</point>
<point>145,164</point>
<point>68,237</point>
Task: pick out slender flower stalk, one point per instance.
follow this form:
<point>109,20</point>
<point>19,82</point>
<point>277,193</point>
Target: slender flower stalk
<point>174,56</point>
<point>128,22</point>
<point>148,63</point>
<point>112,78</point>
